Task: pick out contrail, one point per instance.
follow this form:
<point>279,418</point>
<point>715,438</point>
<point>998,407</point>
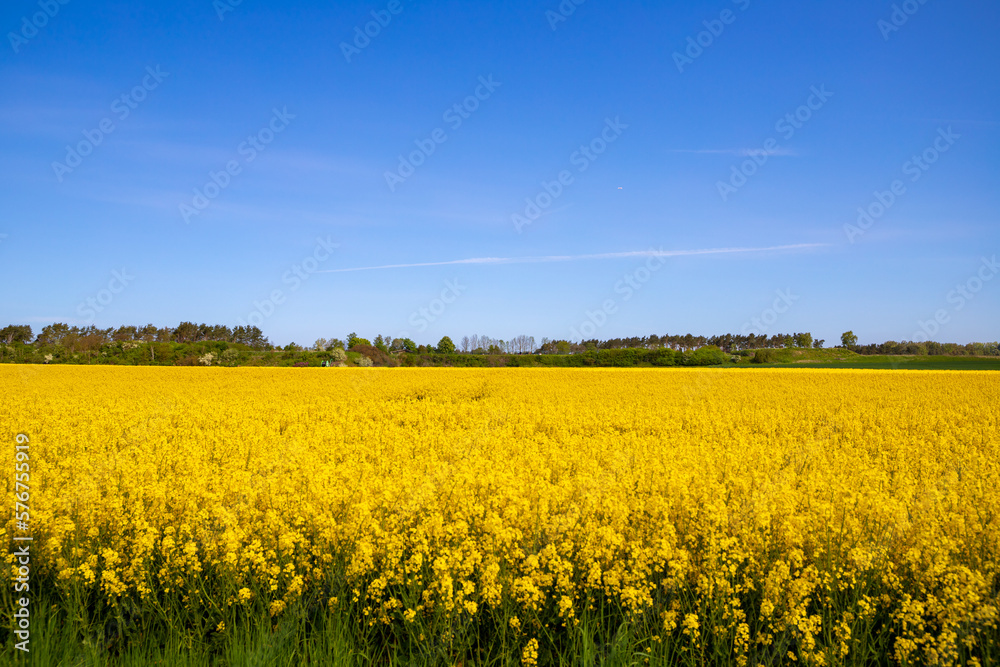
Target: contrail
<point>574,258</point>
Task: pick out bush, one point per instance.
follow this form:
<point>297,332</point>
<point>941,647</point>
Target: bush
<point>766,356</point>
<point>710,355</point>
<point>375,355</point>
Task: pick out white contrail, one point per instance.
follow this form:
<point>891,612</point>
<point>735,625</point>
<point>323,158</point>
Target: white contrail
<point>573,258</point>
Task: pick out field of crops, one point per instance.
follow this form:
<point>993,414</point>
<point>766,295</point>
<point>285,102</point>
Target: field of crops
<point>507,516</point>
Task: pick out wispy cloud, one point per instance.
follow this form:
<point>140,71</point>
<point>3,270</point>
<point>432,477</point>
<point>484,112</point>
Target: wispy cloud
<point>964,121</point>
<point>740,152</point>
<point>545,259</point>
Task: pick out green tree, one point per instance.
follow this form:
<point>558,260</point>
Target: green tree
<point>53,334</point>
<point>445,346</point>
<point>186,332</point>
<point>16,333</point>
<point>848,339</point>
<point>803,340</point>
<point>354,339</point>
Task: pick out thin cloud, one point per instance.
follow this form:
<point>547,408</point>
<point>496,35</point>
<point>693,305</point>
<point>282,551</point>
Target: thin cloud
<point>739,152</point>
<point>576,258</point>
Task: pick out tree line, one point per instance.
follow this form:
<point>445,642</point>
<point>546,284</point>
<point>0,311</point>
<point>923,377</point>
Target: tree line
<point>91,340</point>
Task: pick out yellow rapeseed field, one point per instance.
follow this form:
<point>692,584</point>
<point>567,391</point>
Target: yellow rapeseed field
<point>739,516</point>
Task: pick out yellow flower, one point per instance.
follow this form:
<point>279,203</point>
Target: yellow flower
<point>529,654</point>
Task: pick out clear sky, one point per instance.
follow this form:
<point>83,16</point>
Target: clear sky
<point>229,160</point>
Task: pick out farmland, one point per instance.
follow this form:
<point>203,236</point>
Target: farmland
<point>508,516</point>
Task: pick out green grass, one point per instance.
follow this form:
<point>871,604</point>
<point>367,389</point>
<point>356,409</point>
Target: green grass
<point>840,358</point>
<point>309,634</point>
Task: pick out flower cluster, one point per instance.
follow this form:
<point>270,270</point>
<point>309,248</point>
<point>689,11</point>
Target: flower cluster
<point>769,512</point>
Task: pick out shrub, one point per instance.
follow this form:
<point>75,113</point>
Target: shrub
<point>375,355</point>
<point>710,355</point>
<point>766,356</point>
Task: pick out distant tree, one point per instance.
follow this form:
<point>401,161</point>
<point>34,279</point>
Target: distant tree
<point>409,346</point>
<point>16,333</point>
<point>148,333</point>
<point>354,339</point>
<point>848,339</point>
<point>803,340</point>
<point>122,334</point>
<point>53,334</point>
<point>320,344</point>
<point>186,332</point>
<point>466,344</point>
<point>380,343</point>
<point>445,346</point>
<point>522,344</point>
<point>251,337</point>
<point>335,343</point>
<point>818,343</point>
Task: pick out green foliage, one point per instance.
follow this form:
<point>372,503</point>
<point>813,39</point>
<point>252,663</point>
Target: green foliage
<point>446,346</point>
<point>766,356</point>
<point>709,355</point>
<point>16,333</point>
<point>848,339</point>
<point>353,340</point>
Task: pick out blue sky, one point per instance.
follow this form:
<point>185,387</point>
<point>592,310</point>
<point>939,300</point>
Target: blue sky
<point>644,110</point>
